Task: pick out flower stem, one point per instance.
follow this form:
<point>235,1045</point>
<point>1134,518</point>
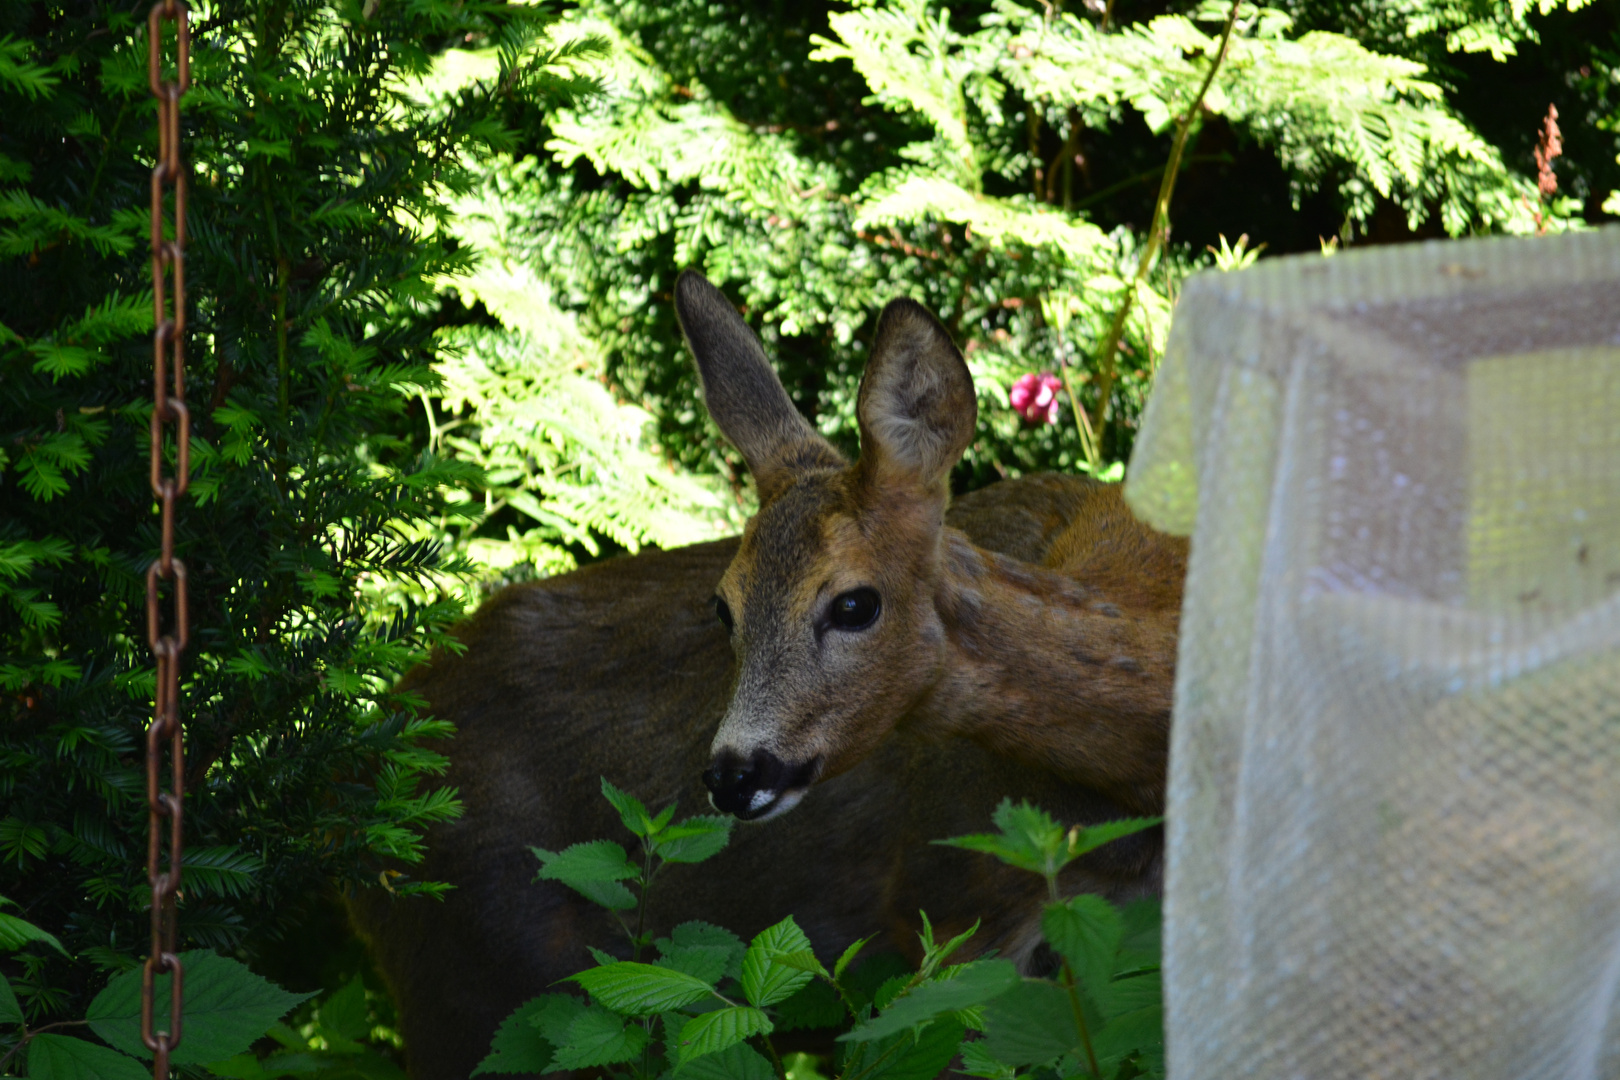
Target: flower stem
<point>1157,233</point>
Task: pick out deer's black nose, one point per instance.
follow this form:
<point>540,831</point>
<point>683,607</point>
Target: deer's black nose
<point>749,787</point>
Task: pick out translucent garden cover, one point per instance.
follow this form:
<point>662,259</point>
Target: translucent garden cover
<point>1394,840</point>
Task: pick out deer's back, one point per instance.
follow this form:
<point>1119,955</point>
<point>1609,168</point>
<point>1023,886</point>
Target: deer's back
<point>1104,545</point>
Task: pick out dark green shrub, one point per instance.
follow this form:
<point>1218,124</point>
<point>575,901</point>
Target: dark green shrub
<point>318,183</point>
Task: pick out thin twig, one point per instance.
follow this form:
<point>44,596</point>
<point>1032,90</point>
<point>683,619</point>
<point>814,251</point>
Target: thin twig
<point>1156,234</point>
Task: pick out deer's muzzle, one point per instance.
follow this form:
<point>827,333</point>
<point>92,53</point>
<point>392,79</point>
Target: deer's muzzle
<point>760,786</point>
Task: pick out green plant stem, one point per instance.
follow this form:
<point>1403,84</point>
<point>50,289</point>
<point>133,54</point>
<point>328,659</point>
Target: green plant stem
<point>1080,1020</point>
<point>776,1059</point>
<point>843,996</point>
<point>641,908</point>
<point>1131,181</point>
<point>1156,235</point>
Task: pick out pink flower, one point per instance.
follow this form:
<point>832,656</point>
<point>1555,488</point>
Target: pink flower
<point>1036,397</point>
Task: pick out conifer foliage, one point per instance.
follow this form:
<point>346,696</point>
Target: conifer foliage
<point>319,182</point>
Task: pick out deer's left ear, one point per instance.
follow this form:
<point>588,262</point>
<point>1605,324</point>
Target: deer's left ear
<point>917,408</point>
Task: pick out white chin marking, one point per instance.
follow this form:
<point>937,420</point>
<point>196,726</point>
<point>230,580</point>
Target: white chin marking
<point>785,801</point>
<point>760,799</point>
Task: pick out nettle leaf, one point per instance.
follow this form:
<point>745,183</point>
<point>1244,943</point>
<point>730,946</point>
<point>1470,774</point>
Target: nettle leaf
<point>718,1030</point>
<point>227,1008</point>
<point>766,977</point>
<point>739,1062</point>
<point>594,860</point>
<point>695,839</point>
<point>595,869</point>
<point>1144,925</point>
<point>518,1046</point>
<point>1086,931</point>
<point>979,1061</point>
<point>1093,837</point>
<point>970,985</point>
<point>816,1006</point>
<point>1029,839</point>
<point>706,962</point>
<point>1130,994</point>
<point>1031,1024</point>
<point>701,937</point>
<point>848,957</point>
<point>1139,1031</point>
<point>599,1037</point>
<point>632,811</point>
<point>555,1014</point>
<point>641,989</point>
<point>927,1056</point>
<point>58,1057</point>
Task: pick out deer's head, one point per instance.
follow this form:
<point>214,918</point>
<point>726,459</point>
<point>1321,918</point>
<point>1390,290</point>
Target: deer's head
<point>831,600</point>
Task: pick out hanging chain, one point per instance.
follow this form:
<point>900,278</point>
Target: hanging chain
<point>168,406</point>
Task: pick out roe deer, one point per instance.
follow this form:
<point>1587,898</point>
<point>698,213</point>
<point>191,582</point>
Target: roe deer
<point>622,670</point>
<point>853,608</point>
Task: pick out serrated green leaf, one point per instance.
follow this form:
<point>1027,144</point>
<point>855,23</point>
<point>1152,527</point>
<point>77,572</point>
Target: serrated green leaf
<point>766,979</point>
<point>738,1062</point>
<point>977,1060</point>
<point>702,935</point>
<point>847,957</point>
<point>641,989</point>
<point>1031,1024</point>
<point>1127,995</point>
<point>695,839</point>
<point>970,985</point>
<point>1086,931</point>
<point>715,1031</point>
<point>706,962</point>
<point>599,1037</point>
<point>10,1011</point>
<point>816,1006</point>
<point>927,1056</point>
<point>632,811</point>
<point>518,1046</point>
<point>592,861</point>
<point>1140,947</point>
<point>1093,837</point>
<point>595,869</point>
<point>802,960</point>
<point>227,1008</point>
<point>58,1057</point>
<point>1138,1031</point>
<point>554,1015</point>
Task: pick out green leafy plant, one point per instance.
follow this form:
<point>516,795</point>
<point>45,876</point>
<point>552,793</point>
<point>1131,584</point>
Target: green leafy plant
<point>705,1005</point>
<point>320,177</point>
<point>227,1008</point>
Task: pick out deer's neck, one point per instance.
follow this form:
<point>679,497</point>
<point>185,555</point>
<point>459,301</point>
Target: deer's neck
<point>1054,673</point>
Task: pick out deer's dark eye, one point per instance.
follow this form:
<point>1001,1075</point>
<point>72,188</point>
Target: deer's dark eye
<point>854,610</point>
<point>723,613</point>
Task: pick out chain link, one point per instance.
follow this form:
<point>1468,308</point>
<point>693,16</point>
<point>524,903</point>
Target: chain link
<point>168,406</point>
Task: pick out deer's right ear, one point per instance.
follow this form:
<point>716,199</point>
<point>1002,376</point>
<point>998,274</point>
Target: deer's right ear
<point>743,394</point>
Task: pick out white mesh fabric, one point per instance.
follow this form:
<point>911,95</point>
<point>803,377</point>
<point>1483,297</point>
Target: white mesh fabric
<point>1394,839</point>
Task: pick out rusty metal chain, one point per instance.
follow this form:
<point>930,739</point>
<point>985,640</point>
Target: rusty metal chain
<point>168,406</point>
